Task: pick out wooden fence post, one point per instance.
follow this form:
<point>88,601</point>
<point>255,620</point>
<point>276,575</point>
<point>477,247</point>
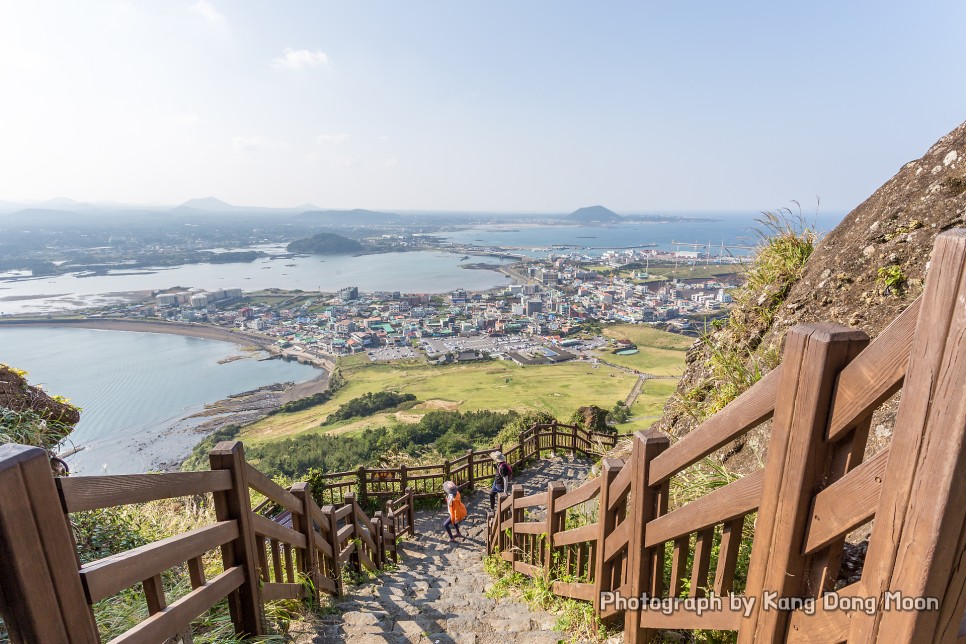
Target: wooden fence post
<point>555,490</point>
<point>308,562</point>
<point>328,516</point>
<point>645,571</point>
<point>354,559</point>
<point>245,604</point>
<point>469,463</point>
<point>573,440</point>
<point>403,478</point>
<point>798,456</point>
<point>411,510</point>
<point>362,485</point>
<point>41,596</point>
<point>446,470</point>
<point>389,530</point>
<point>607,521</point>
<point>380,554</point>
<point>516,516</point>
<point>916,548</point>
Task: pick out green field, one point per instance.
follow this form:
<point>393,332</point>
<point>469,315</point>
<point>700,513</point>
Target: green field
<point>684,271</point>
<point>498,385</point>
<point>646,336</point>
<point>651,400</point>
<point>661,353</point>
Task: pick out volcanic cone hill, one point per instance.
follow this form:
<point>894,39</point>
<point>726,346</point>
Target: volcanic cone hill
<point>862,274</point>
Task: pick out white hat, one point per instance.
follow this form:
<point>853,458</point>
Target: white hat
<point>498,456</point>
<point>449,486</point>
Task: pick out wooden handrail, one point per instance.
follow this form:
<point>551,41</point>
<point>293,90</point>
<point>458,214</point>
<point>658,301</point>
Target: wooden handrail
<point>79,493</point>
<point>259,554</point>
<point>173,619</point>
<point>465,470</point>
<point>813,490</point>
<point>847,503</point>
<point>747,411</point>
<point>724,504</point>
<point>272,490</point>
<point>105,577</point>
<point>875,374</point>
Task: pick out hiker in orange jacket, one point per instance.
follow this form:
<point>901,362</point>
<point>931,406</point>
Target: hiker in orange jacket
<point>457,511</point>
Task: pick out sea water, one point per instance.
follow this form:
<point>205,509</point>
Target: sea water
<point>133,388</point>
<point>416,272</point>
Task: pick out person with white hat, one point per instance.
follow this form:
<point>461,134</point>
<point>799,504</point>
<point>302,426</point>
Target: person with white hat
<point>457,511</point>
<point>501,482</point>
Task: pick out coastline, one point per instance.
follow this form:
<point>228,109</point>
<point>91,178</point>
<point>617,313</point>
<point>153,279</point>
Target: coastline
<point>243,407</point>
<point>197,330</point>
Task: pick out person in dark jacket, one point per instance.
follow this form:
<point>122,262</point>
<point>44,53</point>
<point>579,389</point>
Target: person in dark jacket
<point>501,479</point>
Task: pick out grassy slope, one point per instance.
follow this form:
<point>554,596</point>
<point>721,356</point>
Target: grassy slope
<point>661,353</point>
<point>652,398</point>
<point>558,389</point>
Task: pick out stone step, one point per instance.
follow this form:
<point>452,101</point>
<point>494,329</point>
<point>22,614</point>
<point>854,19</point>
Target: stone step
<point>436,595</point>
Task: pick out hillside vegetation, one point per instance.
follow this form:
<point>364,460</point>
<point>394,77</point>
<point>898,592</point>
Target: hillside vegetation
<point>862,274</point>
<point>31,416</point>
<point>325,244</point>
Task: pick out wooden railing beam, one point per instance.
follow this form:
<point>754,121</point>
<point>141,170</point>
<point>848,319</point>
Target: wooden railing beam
<point>41,596</point>
<point>245,604</point>
<point>798,457</point>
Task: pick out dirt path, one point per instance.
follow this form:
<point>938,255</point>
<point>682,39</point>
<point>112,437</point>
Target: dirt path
<point>437,594</point>
<point>635,392</point>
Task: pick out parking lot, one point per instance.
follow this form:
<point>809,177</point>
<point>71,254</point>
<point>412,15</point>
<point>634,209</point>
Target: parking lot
<point>435,347</point>
<point>385,354</point>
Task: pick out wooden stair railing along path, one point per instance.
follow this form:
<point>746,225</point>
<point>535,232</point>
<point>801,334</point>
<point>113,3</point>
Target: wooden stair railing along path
<point>813,490</point>
<point>267,551</point>
<point>426,481</point>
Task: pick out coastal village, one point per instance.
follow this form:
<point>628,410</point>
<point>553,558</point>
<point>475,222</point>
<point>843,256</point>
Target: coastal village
<point>540,318</point>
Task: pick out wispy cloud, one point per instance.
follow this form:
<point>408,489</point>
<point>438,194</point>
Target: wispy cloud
<point>248,143</point>
<point>301,59</point>
<point>391,162</point>
<point>343,162</point>
<point>207,10</point>
<point>341,137</point>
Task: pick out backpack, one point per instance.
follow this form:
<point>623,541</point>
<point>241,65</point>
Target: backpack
<point>509,470</point>
<point>457,511</point>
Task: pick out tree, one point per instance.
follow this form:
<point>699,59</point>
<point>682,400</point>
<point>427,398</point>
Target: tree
<point>592,419</point>
<point>619,414</point>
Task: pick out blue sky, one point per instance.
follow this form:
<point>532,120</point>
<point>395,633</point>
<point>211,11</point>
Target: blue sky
<point>495,106</point>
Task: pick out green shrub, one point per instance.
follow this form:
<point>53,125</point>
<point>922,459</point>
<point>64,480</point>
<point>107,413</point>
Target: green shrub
<point>368,404</point>
<point>438,435</point>
<point>199,455</point>
<point>731,350</point>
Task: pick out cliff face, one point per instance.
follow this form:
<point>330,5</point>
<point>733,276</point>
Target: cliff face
<point>862,274</point>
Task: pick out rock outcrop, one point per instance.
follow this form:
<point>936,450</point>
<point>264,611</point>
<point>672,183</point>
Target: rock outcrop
<point>862,274</point>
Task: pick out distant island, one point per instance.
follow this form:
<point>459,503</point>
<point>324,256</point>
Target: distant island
<point>594,215</point>
<point>325,244</point>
